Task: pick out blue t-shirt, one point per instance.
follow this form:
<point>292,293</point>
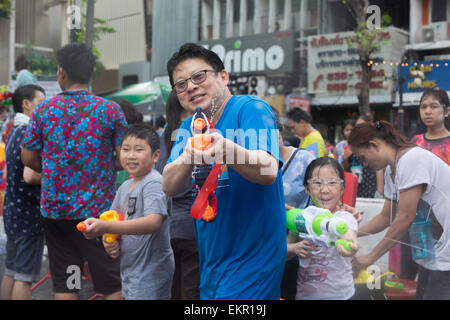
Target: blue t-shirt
<point>22,200</point>
<point>242,253</point>
<point>294,190</point>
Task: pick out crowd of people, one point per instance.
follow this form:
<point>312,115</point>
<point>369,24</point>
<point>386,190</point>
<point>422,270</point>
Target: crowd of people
<point>66,155</point>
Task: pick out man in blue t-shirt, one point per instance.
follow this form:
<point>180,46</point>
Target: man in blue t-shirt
<point>242,252</point>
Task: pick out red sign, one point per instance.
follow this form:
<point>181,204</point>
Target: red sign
<point>299,102</point>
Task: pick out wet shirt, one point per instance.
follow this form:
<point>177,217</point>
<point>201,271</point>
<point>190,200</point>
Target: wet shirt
<point>146,261</point>
<point>440,147</point>
<point>76,133</point>
<point>242,253</point>
<point>312,137</point>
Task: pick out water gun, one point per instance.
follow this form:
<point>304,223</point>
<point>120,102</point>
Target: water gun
<point>110,215</point>
<point>205,177</point>
<point>319,223</point>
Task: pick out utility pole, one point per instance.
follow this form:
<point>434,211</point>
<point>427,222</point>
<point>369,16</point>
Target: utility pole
<point>89,23</point>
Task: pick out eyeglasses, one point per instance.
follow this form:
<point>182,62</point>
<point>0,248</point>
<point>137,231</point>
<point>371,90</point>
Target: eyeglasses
<point>319,183</point>
<point>196,78</point>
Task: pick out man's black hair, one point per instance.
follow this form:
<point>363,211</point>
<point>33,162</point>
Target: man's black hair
<point>192,50</point>
<point>21,63</point>
<point>25,92</point>
<point>78,62</point>
<point>297,114</point>
<point>144,132</point>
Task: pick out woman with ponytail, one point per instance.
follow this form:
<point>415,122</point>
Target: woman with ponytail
<point>186,280</point>
<point>414,177</point>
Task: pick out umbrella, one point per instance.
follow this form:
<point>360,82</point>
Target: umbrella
<point>147,97</point>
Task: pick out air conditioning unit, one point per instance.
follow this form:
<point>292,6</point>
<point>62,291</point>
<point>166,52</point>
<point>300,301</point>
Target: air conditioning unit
<point>440,31</point>
<point>257,85</point>
<point>436,32</point>
<point>428,34</point>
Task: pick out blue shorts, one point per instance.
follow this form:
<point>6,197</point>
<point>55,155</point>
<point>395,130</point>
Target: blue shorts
<point>24,257</point>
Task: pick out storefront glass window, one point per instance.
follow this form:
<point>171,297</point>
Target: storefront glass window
<point>439,10</point>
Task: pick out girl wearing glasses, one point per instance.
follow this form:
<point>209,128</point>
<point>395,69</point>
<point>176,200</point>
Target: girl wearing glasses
<point>413,177</point>
<point>325,272</point>
<point>434,113</point>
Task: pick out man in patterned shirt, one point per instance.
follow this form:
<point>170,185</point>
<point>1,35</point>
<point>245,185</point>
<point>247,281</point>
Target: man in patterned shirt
<point>73,139</point>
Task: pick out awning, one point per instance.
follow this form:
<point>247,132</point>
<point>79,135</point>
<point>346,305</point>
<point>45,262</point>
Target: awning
<point>349,100</point>
<point>410,99</point>
<point>429,45</point>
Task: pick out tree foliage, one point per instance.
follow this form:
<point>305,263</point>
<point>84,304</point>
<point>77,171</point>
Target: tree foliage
<point>367,42</point>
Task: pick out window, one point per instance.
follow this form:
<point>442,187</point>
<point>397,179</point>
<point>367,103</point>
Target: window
<point>439,10</point>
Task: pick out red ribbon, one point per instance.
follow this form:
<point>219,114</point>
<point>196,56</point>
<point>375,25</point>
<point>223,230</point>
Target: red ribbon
<point>209,187</point>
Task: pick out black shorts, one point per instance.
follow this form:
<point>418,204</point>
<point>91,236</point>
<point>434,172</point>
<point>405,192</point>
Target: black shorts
<point>68,249</point>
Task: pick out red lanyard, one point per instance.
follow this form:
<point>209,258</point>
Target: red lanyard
<point>205,205</point>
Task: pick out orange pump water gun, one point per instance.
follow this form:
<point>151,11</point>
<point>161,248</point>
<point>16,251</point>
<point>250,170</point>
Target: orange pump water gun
<point>205,177</point>
<point>110,215</point>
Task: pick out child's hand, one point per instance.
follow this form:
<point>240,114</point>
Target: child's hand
<point>112,248</point>
<point>303,249</point>
<point>94,228</point>
<point>350,236</point>
<point>287,207</point>
<point>353,211</point>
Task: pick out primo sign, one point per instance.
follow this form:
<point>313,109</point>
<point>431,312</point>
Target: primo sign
<point>264,54</point>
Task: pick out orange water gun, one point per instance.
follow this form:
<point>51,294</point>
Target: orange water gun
<point>205,177</point>
<point>110,215</point>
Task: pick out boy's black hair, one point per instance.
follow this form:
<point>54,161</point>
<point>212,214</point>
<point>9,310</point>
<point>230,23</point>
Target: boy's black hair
<point>78,62</point>
<point>25,92</point>
<point>297,114</point>
<point>192,50</point>
<point>144,132</point>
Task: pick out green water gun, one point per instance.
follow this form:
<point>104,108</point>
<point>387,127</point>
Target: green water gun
<point>320,223</point>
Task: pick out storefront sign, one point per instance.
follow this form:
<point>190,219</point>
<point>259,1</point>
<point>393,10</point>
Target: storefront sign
<point>334,69</point>
<point>299,102</point>
<point>431,74</point>
<point>264,54</point>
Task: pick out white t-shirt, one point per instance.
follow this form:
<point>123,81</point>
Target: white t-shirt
<point>419,166</point>
<point>328,275</point>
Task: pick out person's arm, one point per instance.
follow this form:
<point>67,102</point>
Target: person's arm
<point>295,247</point>
<point>346,161</point>
<point>265,169</point>
<point>148,224</point>
<point>380,222</point>
<point>32,159</point>
<point>257,166</point>
<point>31,177</point>
<point>117,165</point>
<point>407,207</point>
